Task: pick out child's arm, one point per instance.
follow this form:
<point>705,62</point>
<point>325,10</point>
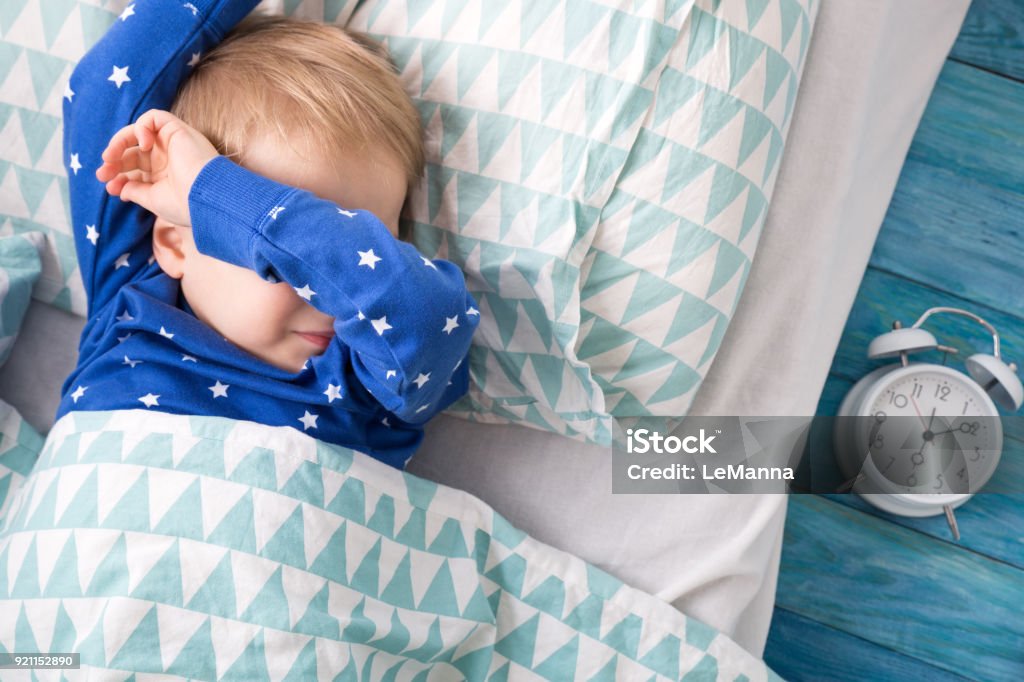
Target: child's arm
<point>137,65</point>
<point>407,319</point>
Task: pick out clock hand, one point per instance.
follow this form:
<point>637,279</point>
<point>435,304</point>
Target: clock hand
<point>918,410</point>
<point>929,427</point>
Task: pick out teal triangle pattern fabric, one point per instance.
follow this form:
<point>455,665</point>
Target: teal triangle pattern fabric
<point>20,268</point>
<point>161,566</point>
<point>600,169</point>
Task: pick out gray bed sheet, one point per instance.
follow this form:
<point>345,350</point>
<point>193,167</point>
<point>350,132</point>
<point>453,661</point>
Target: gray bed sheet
<point>870,69</point>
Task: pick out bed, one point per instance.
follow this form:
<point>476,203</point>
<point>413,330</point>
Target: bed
<point>869,70</point>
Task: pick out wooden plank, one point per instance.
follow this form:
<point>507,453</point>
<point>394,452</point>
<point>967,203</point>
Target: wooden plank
<point>973,124</point>
<point>902,590</point>
<point>992,37</point>
<point>802,649</point>
<point>967,237</point>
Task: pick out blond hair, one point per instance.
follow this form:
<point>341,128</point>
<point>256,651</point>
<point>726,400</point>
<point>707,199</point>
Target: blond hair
<point>280,75</point>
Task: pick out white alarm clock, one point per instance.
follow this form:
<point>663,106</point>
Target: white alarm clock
<point>917,438</point>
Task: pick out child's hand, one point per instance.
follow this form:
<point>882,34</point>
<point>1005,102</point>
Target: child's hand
<point>153,163</point>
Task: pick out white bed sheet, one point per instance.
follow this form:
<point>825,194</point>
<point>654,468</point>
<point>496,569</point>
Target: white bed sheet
<point>871,67</point>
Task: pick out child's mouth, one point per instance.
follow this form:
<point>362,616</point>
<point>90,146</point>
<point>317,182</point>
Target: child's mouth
<point>319,339</point>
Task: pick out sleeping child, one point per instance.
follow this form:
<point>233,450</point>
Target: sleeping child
<point>238,238</point>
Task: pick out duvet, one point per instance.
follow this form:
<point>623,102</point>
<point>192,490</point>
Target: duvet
<point>210,548</point>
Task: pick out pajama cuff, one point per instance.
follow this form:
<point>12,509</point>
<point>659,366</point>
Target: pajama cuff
<point>228,205</point>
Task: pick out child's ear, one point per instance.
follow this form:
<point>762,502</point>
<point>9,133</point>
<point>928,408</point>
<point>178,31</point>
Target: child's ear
<point>169,247</point>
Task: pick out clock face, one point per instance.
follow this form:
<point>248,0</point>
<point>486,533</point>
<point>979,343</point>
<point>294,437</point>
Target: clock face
<point>932,431</point>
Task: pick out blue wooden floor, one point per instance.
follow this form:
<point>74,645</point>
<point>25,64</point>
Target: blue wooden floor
<point>863,595</point>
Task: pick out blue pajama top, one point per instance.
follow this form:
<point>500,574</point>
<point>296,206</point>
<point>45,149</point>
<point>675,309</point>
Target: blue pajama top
<point>403,323</point>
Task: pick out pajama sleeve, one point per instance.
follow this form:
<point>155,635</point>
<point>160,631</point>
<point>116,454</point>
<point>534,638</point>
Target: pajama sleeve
<point>406,321</point>
<point>136,66</point>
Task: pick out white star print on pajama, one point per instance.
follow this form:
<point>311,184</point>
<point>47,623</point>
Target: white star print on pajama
<point>403,321</point>
<point>119,76</point>
<point>333,393</point>
<point>368,258</point>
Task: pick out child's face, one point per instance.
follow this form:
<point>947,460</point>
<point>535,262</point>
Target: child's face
<point>265,319</point>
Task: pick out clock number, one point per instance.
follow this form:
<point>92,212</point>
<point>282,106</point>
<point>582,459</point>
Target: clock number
<point>917,390</point>
<point>965,406</point>
<point>892,460</point>
<point>962,471</point>
<point>940,483</point>
<point>943,390</point>
<point>970,428</point>
<point>977,455</point>
<point>898,399</point>
<point>911,480</point>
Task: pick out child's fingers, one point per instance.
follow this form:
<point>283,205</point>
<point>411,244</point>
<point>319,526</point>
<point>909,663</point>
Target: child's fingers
<point>137,192</point>
<point>105,172</point>
<point>150,124</point>
<point>115,187</point>
<point>135,159</point>
<point>141,134</point>
<point>132,159</point>
<point>143,131</point>
<point>123,139</point>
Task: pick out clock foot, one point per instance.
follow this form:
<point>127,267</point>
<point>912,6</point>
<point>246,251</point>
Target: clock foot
<point>951,520</point>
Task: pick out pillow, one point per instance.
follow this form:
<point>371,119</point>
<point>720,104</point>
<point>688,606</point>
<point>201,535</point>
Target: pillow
<point>600,169</point>
<point>19,270</point>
